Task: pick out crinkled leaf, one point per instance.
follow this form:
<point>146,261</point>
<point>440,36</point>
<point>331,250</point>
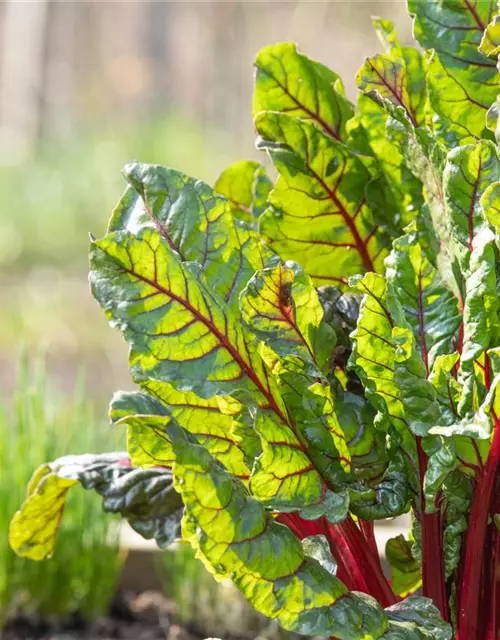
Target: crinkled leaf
<point>448,389</point>
<point>429,307</point>
<point>481,325</point>
<point>281,306</point>
<point>490,42</point>
<point>405,188</point>
<point>373,352</point>
<point>317,547</point>
<point>195,221</point>
<point>405,569</point>
<point>417,393</point>
<point>318,215</point>
<point>288,82</point>
<point>246,185</point>
<point>179,330</point>
<point>384,77</point>
<point>490,202</point>
<point>309,400</point>
<point>422,612</point>
<point>469,171</point>
<point>147,419</point>
<point>462,82</point>
<point>235,536</point>
<point>146,497</point>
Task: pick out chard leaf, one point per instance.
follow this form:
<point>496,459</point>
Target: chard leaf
<point>405,569</point>
<point>480,325</point>
<point>429,307</point>
<point>460,79</point>
<point>146,497</point>
<point>384,77</point>
<point>246,185</point>
<point>469,171</point>
<point>490,42</point>
<point>179,330</point>
<point>405,188</point>
<point>288,82</point>
<point>235,536</point>
<point>422,613</point>
<point>317,547</point>
<point>196,223</point>
<point>417,393</point>
<point>373,354</point>
<point>490,202</point>
<point>284,476</point>
<point>310,401</point>
<point>281,306</point>
<point>147,419</point>
<point>318,215</point>
<point>448,389</point>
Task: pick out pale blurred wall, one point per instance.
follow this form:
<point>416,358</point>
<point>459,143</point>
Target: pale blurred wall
<point>68,65</point>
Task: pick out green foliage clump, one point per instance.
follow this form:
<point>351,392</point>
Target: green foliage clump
<point>320,352</point>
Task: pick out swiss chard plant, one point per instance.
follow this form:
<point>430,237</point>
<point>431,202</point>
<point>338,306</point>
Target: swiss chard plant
<point>321,351</point>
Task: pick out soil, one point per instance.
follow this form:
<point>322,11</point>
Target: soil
<point>148,616</point>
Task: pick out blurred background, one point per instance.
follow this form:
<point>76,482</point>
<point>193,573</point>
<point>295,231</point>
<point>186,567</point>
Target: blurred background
<point>84,88</point>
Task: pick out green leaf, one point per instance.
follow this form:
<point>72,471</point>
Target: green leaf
<point>147,419</point>
<point>318,216</point>
<point>373,354</point>
<point>317,547</point>
<point>448,389</point>
<point>405,570</point>
<point>235,536</point>
<point>179,330</point>
<point>490,42</point>
<point>281,306</point>
<point>404,186</point>
<point>490,203</point>
<point>288,82</point>
<point>462,82</point>
<point>309,400</point>
<point>469,171</point>
<point>196,223</point>
<point>384,77</point>
<point>421,612</point>
<point>480,322</point>
<point>246,185</point>
<point>284,476</point>
<point>145,497</point>
<point>429,307</point>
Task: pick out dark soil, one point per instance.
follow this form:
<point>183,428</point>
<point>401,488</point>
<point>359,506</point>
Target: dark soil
<point>148,616</point>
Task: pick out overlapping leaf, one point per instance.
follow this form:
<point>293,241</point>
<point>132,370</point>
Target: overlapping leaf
<point>147,419</point>
<point>288,82</point>
<point>429,307</point>
<point>179,330</point>
<point>195,221</point>
<point>469,171</point>
<point>385,77</point>
<point>405,569</point>
<point>319,215</point>
<point>281,306</point>
<point>236,537</point>
<point>462,82</point>
<point>146,497</point>
<point>246,185</point>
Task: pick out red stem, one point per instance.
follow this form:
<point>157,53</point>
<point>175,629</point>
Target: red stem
<point>367,528</point>
<point>356,566</point>
<point>379,587</point>
<point>433,574</point>
<point>469,618</point>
